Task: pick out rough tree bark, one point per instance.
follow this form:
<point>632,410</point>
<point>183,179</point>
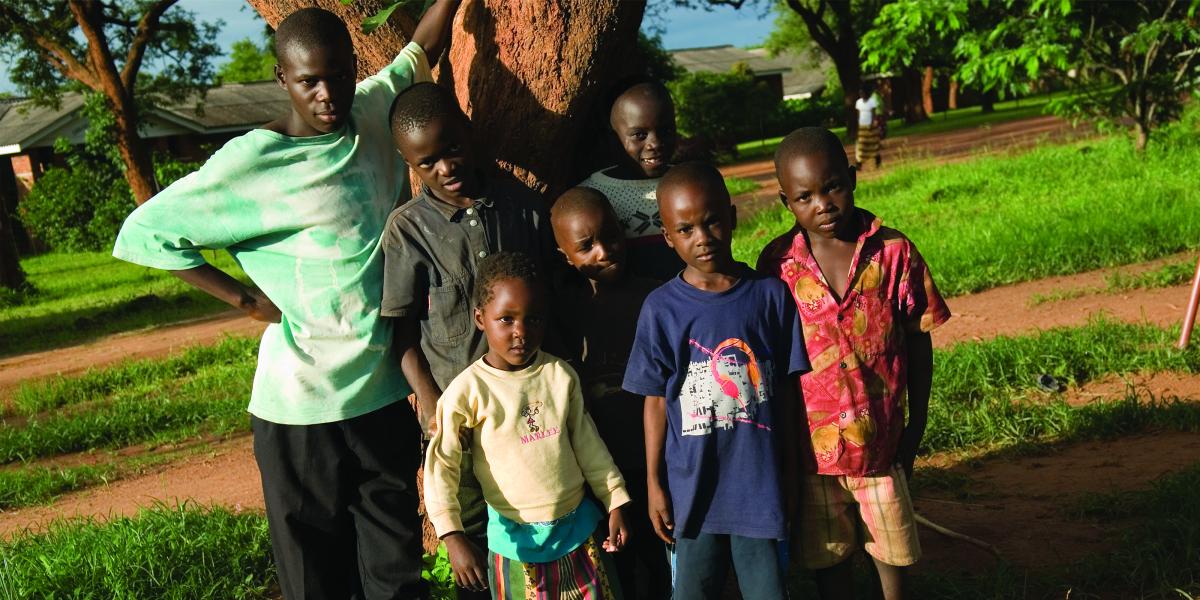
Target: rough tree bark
<point>528,73</point>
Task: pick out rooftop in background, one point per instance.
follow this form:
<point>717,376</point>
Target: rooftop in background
<point>801,78</point>
<point>230,108</point>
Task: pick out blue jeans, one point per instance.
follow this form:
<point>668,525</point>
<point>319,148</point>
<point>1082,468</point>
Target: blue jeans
<point>702,563</point>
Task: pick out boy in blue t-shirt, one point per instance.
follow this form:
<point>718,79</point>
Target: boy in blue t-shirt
<point>717,354</point>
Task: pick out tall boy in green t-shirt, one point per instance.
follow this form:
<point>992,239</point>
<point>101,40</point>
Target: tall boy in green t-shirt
<point>300,204</point>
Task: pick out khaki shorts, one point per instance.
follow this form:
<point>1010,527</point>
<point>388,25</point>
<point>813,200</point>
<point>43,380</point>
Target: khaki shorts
<point>842,513</point>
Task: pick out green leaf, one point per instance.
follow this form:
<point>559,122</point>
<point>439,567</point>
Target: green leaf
<point>373,22</point>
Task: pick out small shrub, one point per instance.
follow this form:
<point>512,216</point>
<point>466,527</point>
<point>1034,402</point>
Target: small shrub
<point>80,207</point>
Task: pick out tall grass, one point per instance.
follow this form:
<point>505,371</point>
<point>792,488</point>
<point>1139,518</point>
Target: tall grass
<point>179,552</point>
<point>1050,211</point>
<point>81,296</point>
<point>978,397</point>
<point>204,391</point>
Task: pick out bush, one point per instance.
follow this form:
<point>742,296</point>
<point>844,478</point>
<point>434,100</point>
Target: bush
<point>80,207</point>
<point>722,108</point>
<point>810,112</point>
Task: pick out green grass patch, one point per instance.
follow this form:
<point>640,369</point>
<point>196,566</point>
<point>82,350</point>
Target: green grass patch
<point>951,120</point>
<point>1054,210</point>
<point>166,552</point>
<point>1164,276</point>
<point>981,390</point>
<point>149,402</point>
<point>27,486</point>
<point>82,296</point>
<point>740,185</point>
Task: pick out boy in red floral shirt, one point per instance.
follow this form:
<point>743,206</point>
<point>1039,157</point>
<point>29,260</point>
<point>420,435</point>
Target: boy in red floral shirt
<point>867,302</point>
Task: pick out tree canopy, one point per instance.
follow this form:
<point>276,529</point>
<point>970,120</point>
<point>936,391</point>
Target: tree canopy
<point>105,48</point>
<point>1121,61</point>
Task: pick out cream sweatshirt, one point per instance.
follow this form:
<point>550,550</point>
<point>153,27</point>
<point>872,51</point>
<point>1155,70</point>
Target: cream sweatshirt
<point>533,444</point>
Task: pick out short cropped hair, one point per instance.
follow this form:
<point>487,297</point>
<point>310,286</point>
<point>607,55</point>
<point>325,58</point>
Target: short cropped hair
<point>696,173</point>
<point>310,28</point>
<point>811,140</point>
<point>576,199</point>
<point>643,84</point>
<point>501,266</point>
<point>422,103</point>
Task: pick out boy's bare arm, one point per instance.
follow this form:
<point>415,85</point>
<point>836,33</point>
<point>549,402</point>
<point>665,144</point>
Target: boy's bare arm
<point>919,347</point>
<point>416,370</point>
<point>655,417</point>
<point>433,31</point>
<point>221,286</point>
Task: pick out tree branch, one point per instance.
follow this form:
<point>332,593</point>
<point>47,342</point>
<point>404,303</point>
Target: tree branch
<point>817,28</point>
<point>54,53</point>
<point>146,28</point>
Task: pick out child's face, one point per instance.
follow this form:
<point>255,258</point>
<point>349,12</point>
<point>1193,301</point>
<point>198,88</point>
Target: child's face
<point>645,128</point>
<point>699,226</point>
<point>820,193</point>
<point>592,241</point>
<point>514,323</point>
<point>320,83</point>
<point>440,155</point>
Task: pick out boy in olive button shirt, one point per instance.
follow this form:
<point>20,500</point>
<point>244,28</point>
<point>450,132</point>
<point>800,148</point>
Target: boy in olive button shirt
<point>432,247</point>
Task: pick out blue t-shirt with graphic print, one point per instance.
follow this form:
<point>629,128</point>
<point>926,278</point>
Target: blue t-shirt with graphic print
<point>717,358</point>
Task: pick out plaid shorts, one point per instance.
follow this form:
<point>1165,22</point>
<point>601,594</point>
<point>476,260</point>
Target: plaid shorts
<point>842,513</point>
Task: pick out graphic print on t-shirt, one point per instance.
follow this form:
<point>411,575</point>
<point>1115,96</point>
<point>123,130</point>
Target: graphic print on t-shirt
<point>725,389</point>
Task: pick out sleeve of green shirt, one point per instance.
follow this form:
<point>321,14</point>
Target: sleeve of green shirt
<point>374,95</point>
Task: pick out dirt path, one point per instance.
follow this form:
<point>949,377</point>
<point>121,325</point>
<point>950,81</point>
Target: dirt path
<point>151,343</point>
<point>228,473</point>
<point>940,148</point>
<point>225,475</point>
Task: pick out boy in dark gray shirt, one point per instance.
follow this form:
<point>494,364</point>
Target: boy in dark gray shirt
<point>432,246</point>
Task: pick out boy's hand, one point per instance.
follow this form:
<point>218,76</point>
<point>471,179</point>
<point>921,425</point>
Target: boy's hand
<point>906,453</point>
<point>618,534</point>
<point>660,512</point>
<point>467,562</point>
<point>259,307</point>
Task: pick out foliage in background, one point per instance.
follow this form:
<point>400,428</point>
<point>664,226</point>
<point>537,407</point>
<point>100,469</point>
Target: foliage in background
<point>136,54</point>
<point>721,109</point>
<point>654,60</point>
<point>248,62</point>
<point>1131,61</point>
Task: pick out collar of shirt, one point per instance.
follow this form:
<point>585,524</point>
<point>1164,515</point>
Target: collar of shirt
<point>454,213</point>
<point>801,253</point>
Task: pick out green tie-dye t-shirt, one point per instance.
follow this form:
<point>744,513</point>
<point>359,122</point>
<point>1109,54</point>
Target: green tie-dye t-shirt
<point>303,217</point>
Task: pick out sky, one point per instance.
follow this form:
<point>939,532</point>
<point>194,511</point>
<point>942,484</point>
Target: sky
<point>681,27</point>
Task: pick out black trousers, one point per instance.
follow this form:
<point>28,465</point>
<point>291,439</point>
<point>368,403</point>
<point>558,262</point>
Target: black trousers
<point>342,505</point>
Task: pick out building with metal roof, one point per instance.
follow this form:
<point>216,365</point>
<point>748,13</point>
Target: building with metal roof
<point>794,75</point>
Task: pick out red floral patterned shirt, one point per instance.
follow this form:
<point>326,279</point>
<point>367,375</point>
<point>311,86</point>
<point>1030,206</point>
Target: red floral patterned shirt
<point>855,395</point>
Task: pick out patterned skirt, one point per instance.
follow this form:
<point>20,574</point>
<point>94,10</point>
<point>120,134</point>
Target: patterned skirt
<point>586,573</point>
<point>867,146</point>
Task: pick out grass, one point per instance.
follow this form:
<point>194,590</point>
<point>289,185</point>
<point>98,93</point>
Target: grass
<point>148,402</point>
<point>1165,276</point>
<point>942,122</point>
<point>983,391</point>
<point>180,552</point>
<point>740,185</point>
<point>82,296</point>
<point>1059,210</point>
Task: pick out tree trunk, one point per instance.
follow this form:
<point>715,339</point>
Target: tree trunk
<point>987,101</point>
<point>914,105</point>
<point>927,90</point>
<point>11,275</point>
<point>1143,136</point>
<point>529,74</point>
<point>952,96</point>
<point>139,168</point>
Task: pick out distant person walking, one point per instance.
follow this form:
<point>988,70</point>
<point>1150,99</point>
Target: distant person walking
<point>870,127</point>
